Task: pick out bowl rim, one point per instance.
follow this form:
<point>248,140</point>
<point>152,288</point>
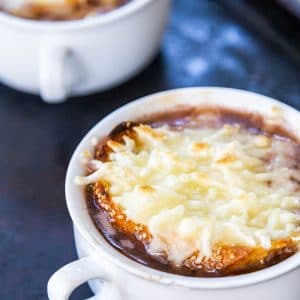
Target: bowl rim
<point>88,231</point>
<point>117,14</point>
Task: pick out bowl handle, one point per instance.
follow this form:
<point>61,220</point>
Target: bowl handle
<point>64,281</point>
<point>58,72</point>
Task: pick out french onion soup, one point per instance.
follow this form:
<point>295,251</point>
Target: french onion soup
<point>59,9</point>
<point>204,192</point>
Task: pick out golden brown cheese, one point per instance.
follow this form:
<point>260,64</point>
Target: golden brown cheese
<point>208,196</point>
<point>58,9</point>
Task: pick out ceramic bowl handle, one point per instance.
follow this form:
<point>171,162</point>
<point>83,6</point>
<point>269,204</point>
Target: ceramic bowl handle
<point>68,278</point>
<point>57,72</point>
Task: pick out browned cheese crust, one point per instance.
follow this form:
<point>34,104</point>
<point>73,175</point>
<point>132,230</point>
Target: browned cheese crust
<point>70,10</point>
<point>132,239</point>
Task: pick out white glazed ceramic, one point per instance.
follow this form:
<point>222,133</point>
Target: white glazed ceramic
<point>59,59</point>
<point>125,279</point>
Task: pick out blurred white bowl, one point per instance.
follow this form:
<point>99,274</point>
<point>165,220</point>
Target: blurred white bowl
<point>57,59</point>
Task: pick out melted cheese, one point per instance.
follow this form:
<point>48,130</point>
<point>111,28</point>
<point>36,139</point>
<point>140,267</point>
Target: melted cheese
<point>197,189</point>
<point>12,5</point>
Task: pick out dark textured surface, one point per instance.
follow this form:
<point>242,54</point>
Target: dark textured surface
<point>207,43</point>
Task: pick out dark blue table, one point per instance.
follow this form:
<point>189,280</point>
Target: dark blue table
<point>251,45</point>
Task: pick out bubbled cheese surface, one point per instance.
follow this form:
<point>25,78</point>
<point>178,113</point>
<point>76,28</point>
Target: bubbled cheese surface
<point>198,189</point>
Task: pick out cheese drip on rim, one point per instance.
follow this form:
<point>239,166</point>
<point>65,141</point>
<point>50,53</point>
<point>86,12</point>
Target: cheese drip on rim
<point>198,189</point>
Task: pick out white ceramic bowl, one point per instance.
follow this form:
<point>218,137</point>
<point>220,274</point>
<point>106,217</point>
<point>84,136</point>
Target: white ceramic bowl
<point>63,58</point>
<point>126,279</point>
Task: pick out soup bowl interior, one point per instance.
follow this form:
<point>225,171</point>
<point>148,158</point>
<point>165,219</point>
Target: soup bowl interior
<point>242,101</point>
